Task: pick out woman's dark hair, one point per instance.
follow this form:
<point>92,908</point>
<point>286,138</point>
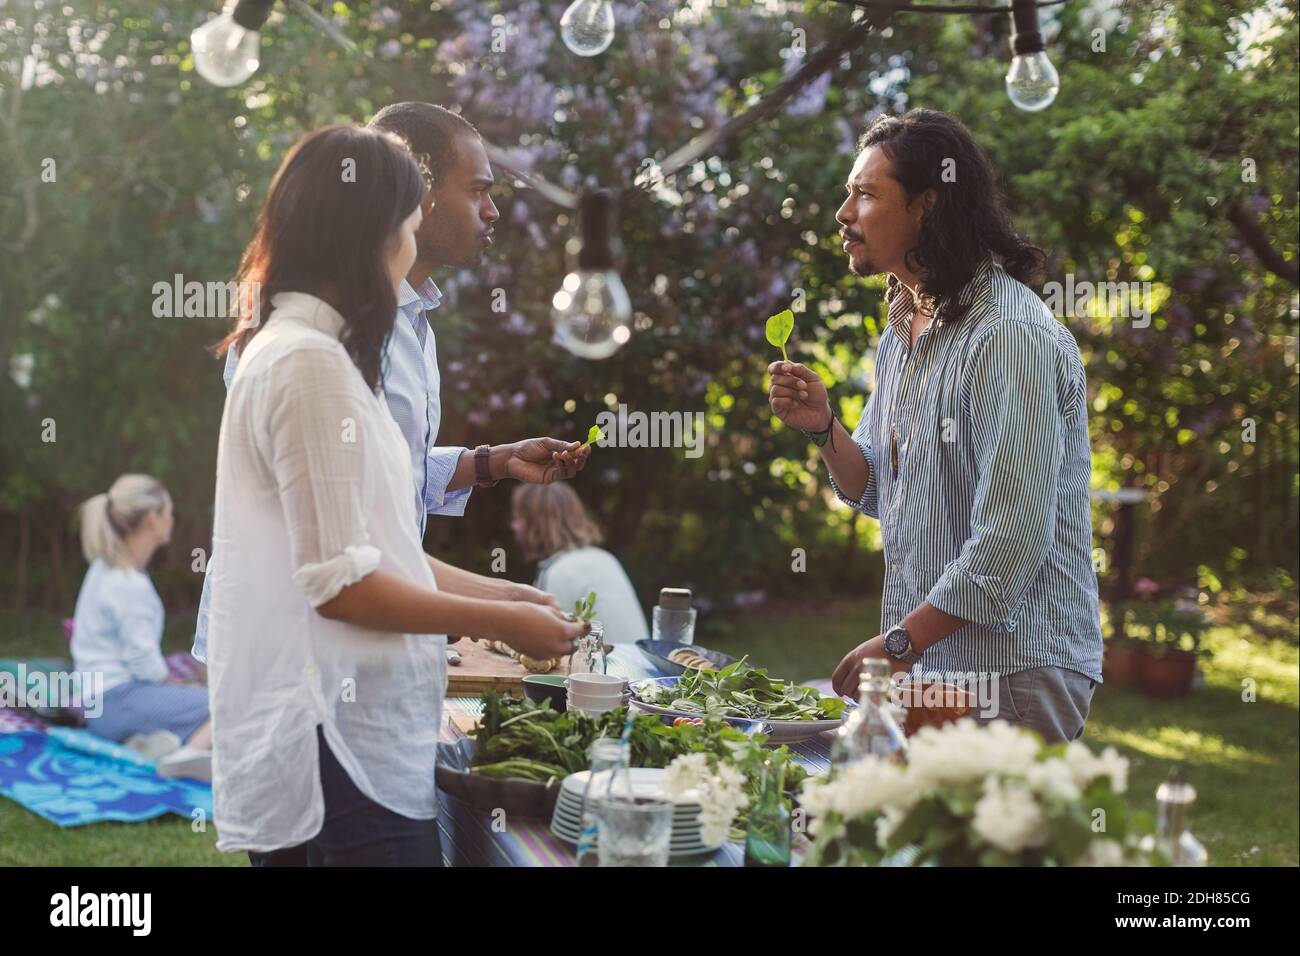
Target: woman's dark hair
<point>969,220</point>
<point>334,204</point>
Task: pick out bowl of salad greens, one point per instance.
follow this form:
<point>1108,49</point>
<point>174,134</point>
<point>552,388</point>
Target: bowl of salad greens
<point>523,750</point>
<point>790,711</point>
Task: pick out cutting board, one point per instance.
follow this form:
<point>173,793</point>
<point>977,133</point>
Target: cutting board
<point>482,670</point>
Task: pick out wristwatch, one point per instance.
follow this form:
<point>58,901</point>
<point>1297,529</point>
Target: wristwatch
<point>482,473</point>
<point>898,645</point>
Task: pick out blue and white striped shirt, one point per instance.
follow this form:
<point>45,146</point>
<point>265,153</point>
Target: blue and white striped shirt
<point>985,513</point>
<point>412,386</point>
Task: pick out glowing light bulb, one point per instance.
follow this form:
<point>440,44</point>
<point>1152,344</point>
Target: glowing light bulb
<point>1032,81</point>
<point>226,47</point>
<point>587,27</point>
<point>591,311</point>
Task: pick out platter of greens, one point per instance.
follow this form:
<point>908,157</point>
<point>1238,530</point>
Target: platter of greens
<point>791,711</point>
<point>522,751</point>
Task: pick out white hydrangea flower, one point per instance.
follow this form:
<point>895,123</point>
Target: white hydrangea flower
<point>864,787</point>
<point>720,792</point>
<point>1009,817</point>
<point>685,773</point>
<point>1087,766</point>
<point>1116,767</point>
<point>1102,853</point>
<point>887,823</point>
<point>967,750</point>
<point>1053,780</point>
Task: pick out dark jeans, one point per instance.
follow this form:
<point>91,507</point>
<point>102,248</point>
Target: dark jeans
<point>357,831</point>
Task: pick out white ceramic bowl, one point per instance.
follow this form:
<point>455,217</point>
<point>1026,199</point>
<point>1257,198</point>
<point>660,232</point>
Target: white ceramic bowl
<point>596,685</point>
<point>593,709</point>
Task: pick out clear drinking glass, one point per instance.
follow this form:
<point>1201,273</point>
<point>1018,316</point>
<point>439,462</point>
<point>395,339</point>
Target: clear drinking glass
<point>634,832</point>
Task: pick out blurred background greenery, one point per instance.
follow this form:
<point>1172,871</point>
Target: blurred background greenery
<point>1169,158</point>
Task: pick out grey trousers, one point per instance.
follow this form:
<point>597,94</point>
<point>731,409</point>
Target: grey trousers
<point>1053,701</point>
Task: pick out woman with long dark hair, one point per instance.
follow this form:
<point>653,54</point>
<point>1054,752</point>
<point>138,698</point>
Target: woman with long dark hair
<point>327,633</point>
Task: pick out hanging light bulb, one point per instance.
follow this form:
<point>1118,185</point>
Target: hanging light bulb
<point>1032,81</point>
<point>591,310</point>
<point>225,48</point>
<point>587,27</point>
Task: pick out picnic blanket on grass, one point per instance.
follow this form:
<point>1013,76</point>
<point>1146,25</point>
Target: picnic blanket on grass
<point>71,777</point>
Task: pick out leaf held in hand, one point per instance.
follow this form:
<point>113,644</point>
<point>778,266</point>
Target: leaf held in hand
<point>594,434</point>
<point>779,328</point>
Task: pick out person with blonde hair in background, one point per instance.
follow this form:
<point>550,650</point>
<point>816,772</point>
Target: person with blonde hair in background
<point>555,530</point>
<point>117,632</point>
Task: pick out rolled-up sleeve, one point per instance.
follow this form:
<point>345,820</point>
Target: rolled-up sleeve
<point>442,469</point>
<point>319,449</point>
<point>869,503</point>
<point>1016,430</point>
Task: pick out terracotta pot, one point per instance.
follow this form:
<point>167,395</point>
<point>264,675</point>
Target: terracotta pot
<point>1170,675</point>
<point>933,704</point>
<point>1124,663</point>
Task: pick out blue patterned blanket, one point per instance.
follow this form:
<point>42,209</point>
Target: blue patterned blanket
<point>71,778</point>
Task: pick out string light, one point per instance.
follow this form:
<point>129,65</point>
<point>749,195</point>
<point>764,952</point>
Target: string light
<point>226,47</point>
<point>591,311</point>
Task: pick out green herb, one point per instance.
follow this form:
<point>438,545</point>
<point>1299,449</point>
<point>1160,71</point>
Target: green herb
<point>585,608</point>
<point>739,690</point>
<point>779,328</point>
<point>524,740</point>
<point>594,434</point>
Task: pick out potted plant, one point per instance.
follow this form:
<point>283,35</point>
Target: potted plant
<point>1125,660</point>
<point>1172,635</point>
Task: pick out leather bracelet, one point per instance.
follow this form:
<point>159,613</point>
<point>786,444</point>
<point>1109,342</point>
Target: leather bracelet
<point>822,437</point>
<point>482,472</point>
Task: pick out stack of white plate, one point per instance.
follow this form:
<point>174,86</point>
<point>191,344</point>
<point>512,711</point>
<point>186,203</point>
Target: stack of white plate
<point>686,840</point>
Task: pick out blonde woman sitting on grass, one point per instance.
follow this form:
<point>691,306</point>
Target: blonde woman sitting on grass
<point>118,626</point>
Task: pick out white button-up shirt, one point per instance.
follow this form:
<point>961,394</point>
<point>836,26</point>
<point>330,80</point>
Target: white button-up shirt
<point>412,387</point>
<point>313,494</point>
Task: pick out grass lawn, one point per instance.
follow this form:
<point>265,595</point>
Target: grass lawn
<point>1242,757</point>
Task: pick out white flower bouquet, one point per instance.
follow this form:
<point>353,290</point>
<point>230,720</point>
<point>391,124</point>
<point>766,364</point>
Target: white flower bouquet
<point>716,785</point>
<point>976,794</point>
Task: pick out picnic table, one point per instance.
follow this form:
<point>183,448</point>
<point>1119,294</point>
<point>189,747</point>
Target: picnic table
<point>472,837</point>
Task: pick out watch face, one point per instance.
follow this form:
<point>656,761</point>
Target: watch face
<point>896,643</point>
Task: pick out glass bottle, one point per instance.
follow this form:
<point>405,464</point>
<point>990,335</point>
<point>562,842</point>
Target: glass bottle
<point>608,756</point>
<point>589,656</point>
<point>673,618</point>
<point>767,839</point>
<point>1174,800</point>
<point>876,726</point>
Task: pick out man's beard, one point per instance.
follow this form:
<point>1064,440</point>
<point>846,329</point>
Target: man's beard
<point>863,271</point>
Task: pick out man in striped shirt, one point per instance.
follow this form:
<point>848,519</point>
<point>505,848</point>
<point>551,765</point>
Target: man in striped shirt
<point>973,448</point>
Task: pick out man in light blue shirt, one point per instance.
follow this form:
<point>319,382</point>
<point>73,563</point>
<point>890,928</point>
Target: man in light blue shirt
<point>455,233</point>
